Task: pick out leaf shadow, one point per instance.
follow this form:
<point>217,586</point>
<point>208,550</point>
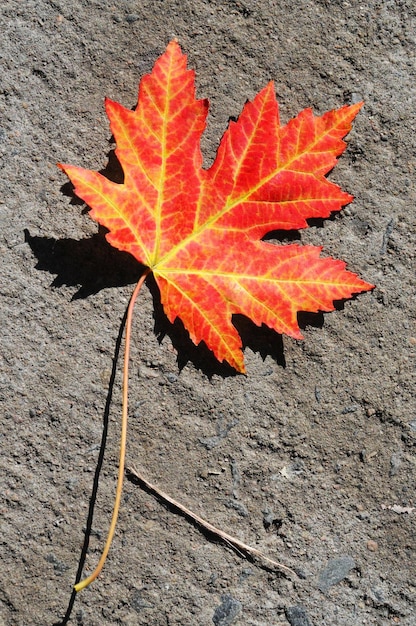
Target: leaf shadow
<point>90,264</point>
<point>259,339</point>
<point>199,355</point>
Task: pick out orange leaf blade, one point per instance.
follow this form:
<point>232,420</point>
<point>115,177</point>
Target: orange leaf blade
<point>269,284</point>
<point>158,148</point>
<point>276,175</point>
<point>200,231</point>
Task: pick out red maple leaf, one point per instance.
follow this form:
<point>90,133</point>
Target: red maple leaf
<point>200,231</point>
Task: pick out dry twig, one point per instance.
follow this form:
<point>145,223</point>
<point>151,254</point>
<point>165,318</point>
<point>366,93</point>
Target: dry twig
<point>240,547</point>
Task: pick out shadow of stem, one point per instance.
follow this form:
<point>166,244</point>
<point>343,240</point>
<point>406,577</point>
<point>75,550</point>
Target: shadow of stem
<point>97,473</point>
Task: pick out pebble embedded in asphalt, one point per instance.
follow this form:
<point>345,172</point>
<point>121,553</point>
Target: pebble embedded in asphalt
<point>335,571</point>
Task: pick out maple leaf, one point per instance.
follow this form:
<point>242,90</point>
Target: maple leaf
<point>200,231</point>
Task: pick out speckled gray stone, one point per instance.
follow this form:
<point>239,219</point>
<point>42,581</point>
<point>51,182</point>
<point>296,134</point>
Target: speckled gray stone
<point>335,571</point>
<point>297,616</point>
<point>228,610</point>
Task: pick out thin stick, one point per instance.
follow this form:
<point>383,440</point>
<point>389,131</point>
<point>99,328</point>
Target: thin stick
<point>87,581</point>
<point>238,545</point>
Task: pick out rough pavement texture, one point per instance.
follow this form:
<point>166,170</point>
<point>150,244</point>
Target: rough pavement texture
<point>311,457</point>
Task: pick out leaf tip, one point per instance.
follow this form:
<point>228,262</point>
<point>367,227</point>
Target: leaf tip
<point>353,109</point>
<point>368,286</point>
<point>173,47</point>
<point>64,168</point>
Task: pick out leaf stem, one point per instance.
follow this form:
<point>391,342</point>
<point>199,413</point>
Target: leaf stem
<point>123,438</point>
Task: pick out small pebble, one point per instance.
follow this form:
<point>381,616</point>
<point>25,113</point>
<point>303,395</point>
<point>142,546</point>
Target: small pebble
<point>372,545</point>
<point>335,571</point>
<point>356,97</point>
<point>138,602</point>
<point>378,595</point>
<point>228,610</point>
<point>58,565</point>
<point>297,616</point>
<point>237,506</point>
<point>131,18</point>
<point>352,408</point>
<point>395,462</point>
